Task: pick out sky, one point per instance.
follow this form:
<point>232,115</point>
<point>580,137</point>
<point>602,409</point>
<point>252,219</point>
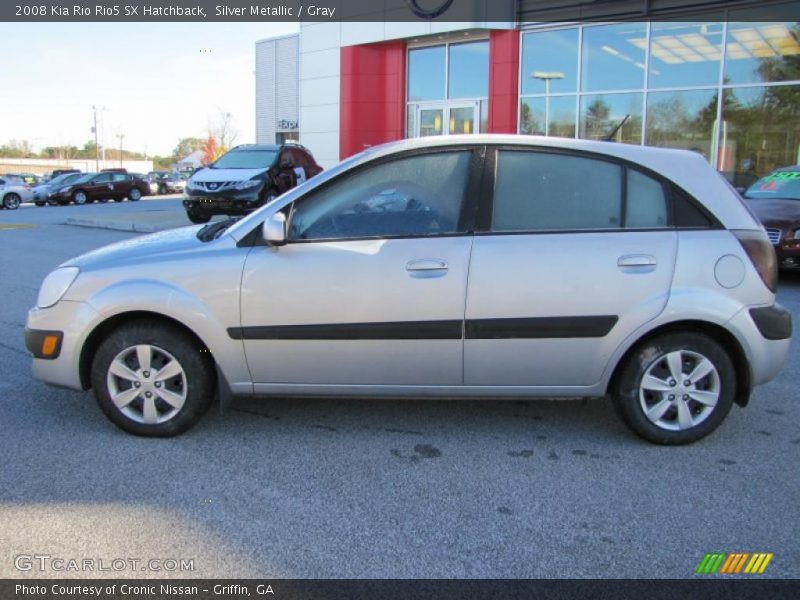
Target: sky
<point>159,82</point>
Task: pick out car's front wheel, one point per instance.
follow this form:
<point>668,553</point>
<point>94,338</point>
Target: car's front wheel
<point>11,201</point>
<point>675,388</point>
<point>79,197</point>
<point>152,379</point>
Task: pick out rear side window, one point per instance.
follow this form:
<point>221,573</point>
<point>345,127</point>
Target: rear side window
<point>535,191</point>
<point>646,204</point>
<point>119,177</point>
<point>540,191</point>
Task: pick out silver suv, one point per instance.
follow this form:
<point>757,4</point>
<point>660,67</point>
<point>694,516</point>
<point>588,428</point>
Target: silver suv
<point>477,266</point>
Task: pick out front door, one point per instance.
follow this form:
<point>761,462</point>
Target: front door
<point>448,119</point>
<point>576,255</point>
<point>370,288</point>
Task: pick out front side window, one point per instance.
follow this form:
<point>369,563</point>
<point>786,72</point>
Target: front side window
<point>537,191</point>
<point>413,196</point>
<point>102,178</point>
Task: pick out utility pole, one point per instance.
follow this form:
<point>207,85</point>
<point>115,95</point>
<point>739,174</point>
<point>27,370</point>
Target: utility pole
<point>120,137</point>
<point>96,145</point>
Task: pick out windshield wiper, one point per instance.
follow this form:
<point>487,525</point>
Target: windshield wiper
<point>213,230</point>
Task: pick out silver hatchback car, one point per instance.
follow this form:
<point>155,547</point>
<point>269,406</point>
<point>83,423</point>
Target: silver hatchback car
<point>465,266</point>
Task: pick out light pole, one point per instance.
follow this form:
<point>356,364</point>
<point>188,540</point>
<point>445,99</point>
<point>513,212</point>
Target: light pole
<point>96,143</point>
<point>120,137</point>
<point>547,77</point>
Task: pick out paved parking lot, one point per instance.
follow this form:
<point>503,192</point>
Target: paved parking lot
<point>344,488</point>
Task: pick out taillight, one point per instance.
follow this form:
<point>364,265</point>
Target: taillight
<point>762,254</point>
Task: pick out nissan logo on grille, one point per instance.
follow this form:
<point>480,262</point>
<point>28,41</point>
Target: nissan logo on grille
<point>212,186</point>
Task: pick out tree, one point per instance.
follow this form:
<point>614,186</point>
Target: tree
<point>223,130</point>
<point>186,146</point>
<point>210,150</point>
<point>17,149</point>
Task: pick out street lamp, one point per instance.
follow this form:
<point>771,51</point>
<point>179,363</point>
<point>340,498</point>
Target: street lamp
<point>547,77</point>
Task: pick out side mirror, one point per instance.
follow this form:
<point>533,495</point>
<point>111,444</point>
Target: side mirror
<point>274,230</point>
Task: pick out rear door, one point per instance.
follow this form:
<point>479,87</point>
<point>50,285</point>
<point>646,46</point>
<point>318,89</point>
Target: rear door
<point>576,252</point>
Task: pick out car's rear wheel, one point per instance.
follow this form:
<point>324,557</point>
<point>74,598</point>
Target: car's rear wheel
<point>675,388</point>
<point>79,197</point>
<point>152,379</point>
<point>197,217</point>
<point>40,203</point>
<point>135,195</point>
<point>11,201</point>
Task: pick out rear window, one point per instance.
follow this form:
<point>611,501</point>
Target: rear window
<point>778,184</point>
<point>245,159</point>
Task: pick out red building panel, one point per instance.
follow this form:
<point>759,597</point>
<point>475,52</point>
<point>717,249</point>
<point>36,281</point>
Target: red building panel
<point>503,80</point>
<point>373,81</point>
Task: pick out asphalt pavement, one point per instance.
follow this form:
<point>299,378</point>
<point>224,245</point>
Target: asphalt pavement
<point>373,488</point>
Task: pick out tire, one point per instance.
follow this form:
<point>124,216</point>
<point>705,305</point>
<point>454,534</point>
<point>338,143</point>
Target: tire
<point>11,201</point>
<point>176,402</point>
<point>79,197</point>
<point>648,382</point>
<point>103,200</point>
<point>197,217</point>
<point>135,195</point>
<point>40,203</point>
<point>52,202</point>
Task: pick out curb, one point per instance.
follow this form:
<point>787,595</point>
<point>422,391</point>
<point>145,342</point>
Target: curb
<point>118,225</point>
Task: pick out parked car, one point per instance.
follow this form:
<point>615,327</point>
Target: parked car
<point>41,193</point>
<point>57,172</point>
<point>246,178</point>
<point>467,266</point>
<point>775,199</point>
<point>13,193</point>
<point>101,186</point>
<point>171,183</point>
<point>152,183</point>
<point>26,178</point>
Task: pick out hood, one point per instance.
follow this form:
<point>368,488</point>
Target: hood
<point>162,245</point>
<point>782,214</point>
<point>227,174</point>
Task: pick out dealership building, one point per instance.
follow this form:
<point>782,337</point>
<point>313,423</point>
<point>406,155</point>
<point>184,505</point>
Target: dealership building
<point>706,76</point>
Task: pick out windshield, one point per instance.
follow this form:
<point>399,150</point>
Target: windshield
<point>779,184</point>
<point>245,159</point>
<point>84,178</point>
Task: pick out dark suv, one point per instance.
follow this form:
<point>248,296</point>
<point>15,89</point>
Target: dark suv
<point>245,178</point>
<point>101,186</point>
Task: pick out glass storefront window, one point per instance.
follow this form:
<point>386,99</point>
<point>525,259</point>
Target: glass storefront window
<point>469,70</point>
<point>760,131</point>
<point>762,52</point>
<point>611,58</point>
<point>684,54</point>
<point>601,114</point>
<point>682,119</point>
<point>550,53</point>
<point>561,112</point>
<point>426,73</point>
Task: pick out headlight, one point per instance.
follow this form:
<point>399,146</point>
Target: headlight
<point>55,285</point>
<point>797,234</point>
<point>64,190</point>
<point>246,185</point>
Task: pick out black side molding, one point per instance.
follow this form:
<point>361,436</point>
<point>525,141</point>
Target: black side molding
<point>540,327</point>
<point>402,330</point>
<point>475,329</point>
<point>774,322</point>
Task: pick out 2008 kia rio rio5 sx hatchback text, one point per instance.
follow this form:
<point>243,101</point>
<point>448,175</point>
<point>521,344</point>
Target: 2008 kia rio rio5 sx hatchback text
<point>466,266</point>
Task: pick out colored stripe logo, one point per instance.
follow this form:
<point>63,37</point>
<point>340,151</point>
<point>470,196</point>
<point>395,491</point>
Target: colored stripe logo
<point>734,563</point>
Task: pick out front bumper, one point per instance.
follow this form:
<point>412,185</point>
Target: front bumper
<point>74,320</point>
<point>225,202</point>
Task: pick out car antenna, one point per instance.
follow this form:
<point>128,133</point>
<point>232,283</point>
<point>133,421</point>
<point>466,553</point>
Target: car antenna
<point>610,136</point>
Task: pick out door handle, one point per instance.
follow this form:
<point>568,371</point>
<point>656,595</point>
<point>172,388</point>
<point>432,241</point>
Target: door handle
<point>427,268</point>
<point>636,260</point>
